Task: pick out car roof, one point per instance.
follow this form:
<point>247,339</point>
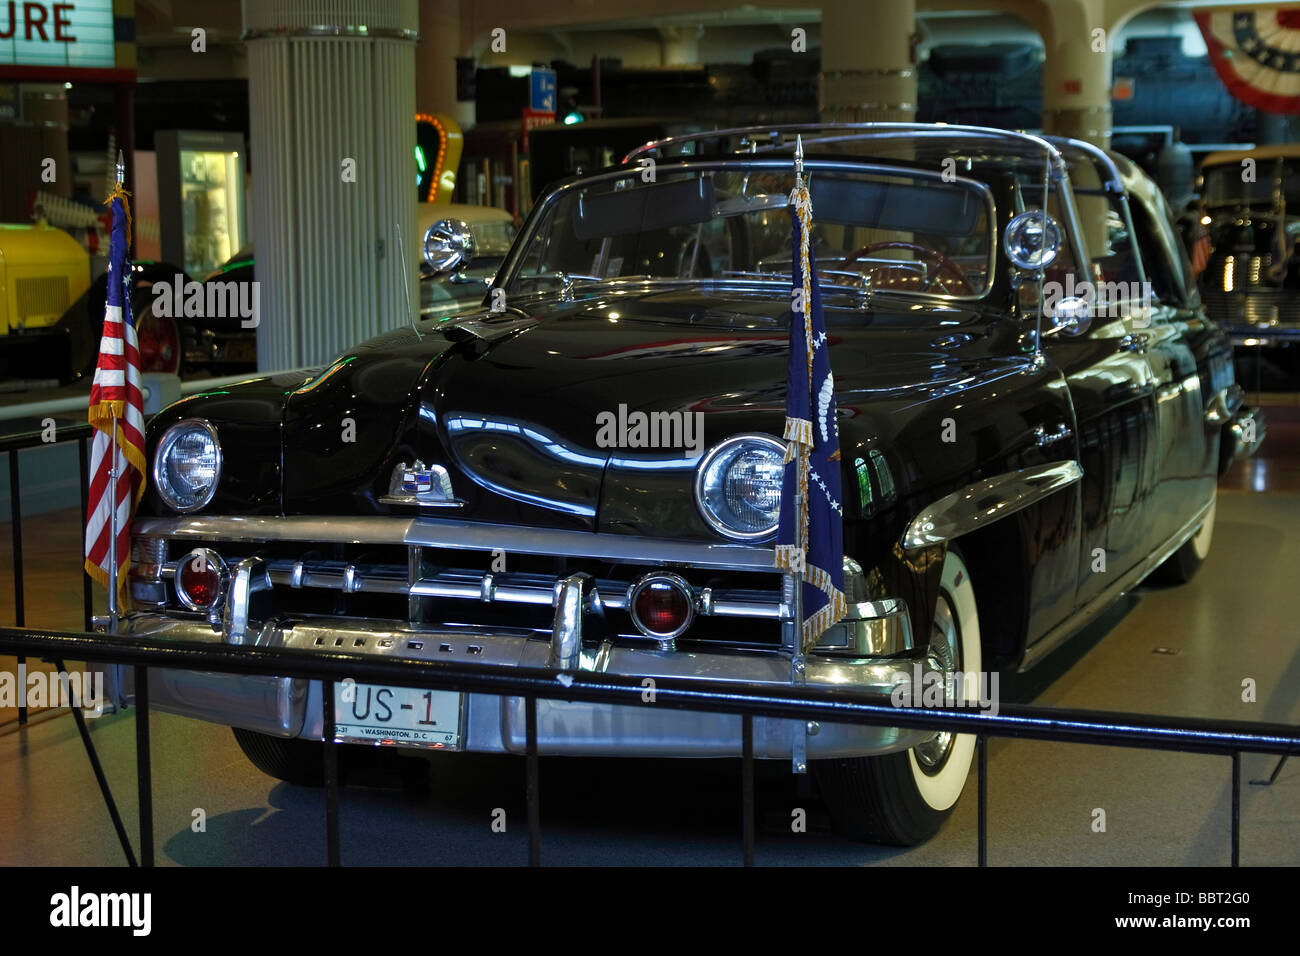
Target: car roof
<point>1276,151</point>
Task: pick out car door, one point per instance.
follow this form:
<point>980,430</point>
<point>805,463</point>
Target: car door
<point>1113,391</point>
<point>1178,346</point>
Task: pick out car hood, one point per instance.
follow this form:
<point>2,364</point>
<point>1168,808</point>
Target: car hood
<point>532,411</point>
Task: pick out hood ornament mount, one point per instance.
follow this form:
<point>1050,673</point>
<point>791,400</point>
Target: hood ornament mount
<point>426,486</point>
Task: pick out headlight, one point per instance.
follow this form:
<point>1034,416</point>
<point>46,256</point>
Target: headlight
<point>738,486</point>
<point>187,465</point>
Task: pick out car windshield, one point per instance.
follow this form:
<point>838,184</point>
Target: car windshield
<point>492,239</point>
<point>889,229</point>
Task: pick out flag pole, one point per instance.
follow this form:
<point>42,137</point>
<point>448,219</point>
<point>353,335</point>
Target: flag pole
<point>801,464</point>
<point>113,470</point>
<point>798,666</point>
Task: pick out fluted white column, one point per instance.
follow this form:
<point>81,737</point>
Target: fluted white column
<point>331,89</point>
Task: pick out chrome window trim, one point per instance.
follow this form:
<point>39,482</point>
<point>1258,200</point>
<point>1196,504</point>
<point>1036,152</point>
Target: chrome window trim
<point>852,132</point>
<point>1115,187</point>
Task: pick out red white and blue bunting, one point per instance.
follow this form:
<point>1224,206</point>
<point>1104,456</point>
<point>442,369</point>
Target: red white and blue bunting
<point>1257,55</point>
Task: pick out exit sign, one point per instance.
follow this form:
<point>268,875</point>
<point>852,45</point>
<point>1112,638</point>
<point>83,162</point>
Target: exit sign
<point>76,34</point>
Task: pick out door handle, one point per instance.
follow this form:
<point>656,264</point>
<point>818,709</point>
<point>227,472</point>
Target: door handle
<point>1134,342</point>
<point>1043,437</point>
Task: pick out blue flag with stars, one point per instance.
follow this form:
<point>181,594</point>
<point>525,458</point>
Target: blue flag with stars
<point>810,536</point>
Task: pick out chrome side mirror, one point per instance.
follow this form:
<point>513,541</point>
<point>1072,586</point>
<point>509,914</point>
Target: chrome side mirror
<point>448,245</point>
<point>1071,315</point>
<point>1032,240</point>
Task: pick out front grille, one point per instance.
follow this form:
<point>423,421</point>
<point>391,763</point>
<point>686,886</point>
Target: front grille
<point>1260,308</point>
<point>436,587</point>
<point>43,297</point>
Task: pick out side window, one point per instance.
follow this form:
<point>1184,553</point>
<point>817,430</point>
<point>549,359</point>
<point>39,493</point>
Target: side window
<point>1162,254</point>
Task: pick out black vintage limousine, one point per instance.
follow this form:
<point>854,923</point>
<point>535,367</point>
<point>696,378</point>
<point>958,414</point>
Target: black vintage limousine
<point>1033,412</point>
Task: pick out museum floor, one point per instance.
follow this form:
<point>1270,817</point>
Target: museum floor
<point>1181,651</point>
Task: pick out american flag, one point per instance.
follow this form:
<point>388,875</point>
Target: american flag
<point>810,538</point>
<point>1280,247</point>
<point>1201,254</point>
<point>115,405</point>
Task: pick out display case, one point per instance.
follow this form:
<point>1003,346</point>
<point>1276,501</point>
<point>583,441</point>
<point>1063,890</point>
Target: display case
<point>201,204</point>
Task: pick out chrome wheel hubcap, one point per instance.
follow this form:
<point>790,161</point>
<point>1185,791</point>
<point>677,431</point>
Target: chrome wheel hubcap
<point>945,647</point>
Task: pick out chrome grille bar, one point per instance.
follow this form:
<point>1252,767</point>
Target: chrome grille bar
<point>505,587</point>
<point>452,535</point>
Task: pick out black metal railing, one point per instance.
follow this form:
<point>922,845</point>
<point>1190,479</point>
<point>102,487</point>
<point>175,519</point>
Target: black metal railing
<point>829,705</point>
<point>11,444</point>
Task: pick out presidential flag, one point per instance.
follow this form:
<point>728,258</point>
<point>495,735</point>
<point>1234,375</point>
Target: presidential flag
<point>810,536</point>
<point>117,415</point>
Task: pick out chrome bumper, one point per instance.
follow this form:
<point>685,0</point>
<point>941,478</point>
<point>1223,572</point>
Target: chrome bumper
<point>288,707</point>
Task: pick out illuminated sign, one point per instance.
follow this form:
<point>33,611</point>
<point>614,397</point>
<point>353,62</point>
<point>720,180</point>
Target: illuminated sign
<point>75,34</point>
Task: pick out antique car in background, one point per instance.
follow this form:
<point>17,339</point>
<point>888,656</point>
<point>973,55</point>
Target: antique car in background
<point>42,270</point>
<point>225,346</point>
<point>1025,435</point>
<point>486,234</point>
<point>1251,284</point>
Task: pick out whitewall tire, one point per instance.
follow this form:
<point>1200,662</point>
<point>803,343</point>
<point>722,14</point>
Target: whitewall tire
<point>903,798</point>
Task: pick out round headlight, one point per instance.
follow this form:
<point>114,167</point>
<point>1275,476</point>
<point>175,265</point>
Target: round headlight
<point>738,486</point>
<point>187,465</point>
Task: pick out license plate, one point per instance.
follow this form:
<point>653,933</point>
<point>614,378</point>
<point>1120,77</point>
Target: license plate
<point>397,716</point>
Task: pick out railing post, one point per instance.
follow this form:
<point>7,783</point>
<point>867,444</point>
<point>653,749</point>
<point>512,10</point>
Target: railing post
<point>1236,808</point>
<point>331,770</point>
<point>747,785</point>
<point>95,766</point>
<point>982,785</point>
<point>531,784</point>
<point>87,599</point>
<point>144,773</point>
<point>16,533</point>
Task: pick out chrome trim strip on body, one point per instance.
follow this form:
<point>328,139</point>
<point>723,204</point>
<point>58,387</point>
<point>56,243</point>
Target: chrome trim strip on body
<point>436,533</point>
<point>1077,621</point>
<point>985,501</point>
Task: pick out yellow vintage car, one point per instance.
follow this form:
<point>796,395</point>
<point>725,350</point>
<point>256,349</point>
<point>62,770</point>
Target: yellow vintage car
<point>43,270</point>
